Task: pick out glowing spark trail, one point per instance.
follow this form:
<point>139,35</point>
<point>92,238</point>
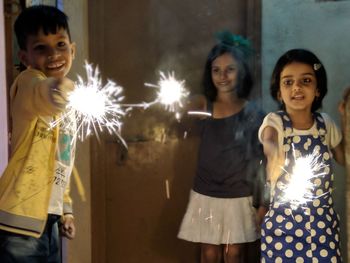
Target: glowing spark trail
<point>299,190</point>
<point>203,113</point>
<point>167,189</point>
<point>94,106</point>
<point>171,91</point>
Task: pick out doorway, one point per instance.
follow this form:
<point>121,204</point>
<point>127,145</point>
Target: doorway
<point>139,197</point>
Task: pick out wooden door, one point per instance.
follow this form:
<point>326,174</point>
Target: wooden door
<point>139,199</point>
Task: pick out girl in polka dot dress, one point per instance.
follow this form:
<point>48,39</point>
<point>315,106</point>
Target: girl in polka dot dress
<point>304,228</point>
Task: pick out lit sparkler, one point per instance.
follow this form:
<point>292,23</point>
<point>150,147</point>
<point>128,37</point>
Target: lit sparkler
<point>93,107</point>
<point>299,190</point>
<point>171,92</point>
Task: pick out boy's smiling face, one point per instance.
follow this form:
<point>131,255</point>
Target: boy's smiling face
<point>52,54</point>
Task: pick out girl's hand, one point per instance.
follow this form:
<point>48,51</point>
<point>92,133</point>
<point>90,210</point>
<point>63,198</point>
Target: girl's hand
<point>196,103</point>
<point>67,228</point>
<point>260,214</point>
<point>275,158</point>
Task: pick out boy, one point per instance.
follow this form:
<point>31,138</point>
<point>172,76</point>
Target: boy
<point>34,187</point>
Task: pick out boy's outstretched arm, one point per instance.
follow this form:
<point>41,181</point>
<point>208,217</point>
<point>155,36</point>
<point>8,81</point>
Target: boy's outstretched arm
<point>35,94</point>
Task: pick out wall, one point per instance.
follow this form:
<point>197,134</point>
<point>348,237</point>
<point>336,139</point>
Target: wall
<point>319,26</point>
<point>3,95</point>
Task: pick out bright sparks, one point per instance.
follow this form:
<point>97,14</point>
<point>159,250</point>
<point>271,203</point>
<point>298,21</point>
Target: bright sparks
<point>94,106</point>
<point>299,190</point>
<point>171,92</point>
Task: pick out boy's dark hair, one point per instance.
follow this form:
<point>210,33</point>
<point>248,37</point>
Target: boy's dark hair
<point>301,56</point>
<point>35,18</point>
<point>245,80</point>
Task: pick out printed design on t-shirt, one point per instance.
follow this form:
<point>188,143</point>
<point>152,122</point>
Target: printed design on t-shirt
<point>29,169</point>
<point>65,145</point>
<point>60,178</point>
<point>65,154</point>
<point>43,133</point>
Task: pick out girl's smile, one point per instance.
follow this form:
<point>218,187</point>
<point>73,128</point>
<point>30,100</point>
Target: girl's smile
<point>298,87</point>
<point>224,73</point>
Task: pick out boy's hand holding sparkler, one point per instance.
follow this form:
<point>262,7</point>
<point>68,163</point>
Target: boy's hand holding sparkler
<point>60,90</point>
<point>94,105</point>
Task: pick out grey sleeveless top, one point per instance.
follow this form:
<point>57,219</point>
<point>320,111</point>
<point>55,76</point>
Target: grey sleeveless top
<point>229,153</point>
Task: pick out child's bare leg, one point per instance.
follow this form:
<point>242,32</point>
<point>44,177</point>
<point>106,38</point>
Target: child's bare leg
<point>233,253</point>
<point>210,253</point>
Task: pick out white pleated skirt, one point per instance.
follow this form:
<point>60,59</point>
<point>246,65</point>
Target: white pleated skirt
<point>217,221</point>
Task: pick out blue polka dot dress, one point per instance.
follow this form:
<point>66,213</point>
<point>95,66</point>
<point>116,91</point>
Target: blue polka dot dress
<point>307,230</point>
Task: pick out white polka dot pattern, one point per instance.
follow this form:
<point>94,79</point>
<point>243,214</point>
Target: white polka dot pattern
<point>309,232</point>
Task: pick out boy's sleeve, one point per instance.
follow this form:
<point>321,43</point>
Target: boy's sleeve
<point>33,94</point>
<point>67,209</point>
<point>67,201</point>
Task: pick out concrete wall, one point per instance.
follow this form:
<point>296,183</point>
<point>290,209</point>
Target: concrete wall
<point>321,27</point>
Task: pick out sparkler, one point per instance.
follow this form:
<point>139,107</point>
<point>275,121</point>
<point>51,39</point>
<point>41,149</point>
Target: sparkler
<point>171,92</point>
<point>299,190</point>
<point>93,107</point>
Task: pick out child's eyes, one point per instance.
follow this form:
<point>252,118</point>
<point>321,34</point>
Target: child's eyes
<point>39,47</point>
<point>290,82</point>
<point>61,44</point>
<point>306,81</point>
<point>287,82</point>
<point>226,71</point>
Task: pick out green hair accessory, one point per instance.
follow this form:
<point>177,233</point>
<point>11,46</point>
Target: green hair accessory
<point>232,40</point>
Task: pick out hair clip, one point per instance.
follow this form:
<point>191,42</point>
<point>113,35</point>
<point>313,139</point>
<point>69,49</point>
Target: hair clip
<point>317,66</point>
<point>227,38</point>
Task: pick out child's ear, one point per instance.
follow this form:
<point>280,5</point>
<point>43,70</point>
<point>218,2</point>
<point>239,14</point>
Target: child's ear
<point>73,47</point>
<point>22,55</point>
